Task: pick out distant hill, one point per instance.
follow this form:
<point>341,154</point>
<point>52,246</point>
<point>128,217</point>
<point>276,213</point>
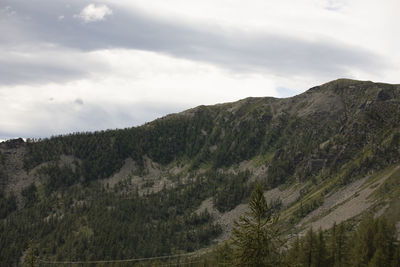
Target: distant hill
<point>176,184</point>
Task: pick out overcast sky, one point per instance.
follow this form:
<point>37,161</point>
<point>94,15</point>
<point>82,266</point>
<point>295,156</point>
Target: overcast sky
<point>77,65</point>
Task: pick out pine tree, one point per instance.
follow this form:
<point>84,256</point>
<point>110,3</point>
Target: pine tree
<point>379,259</point>
<point>294,253</point>
<point>384,240</point>
<point>374,243</point>
<point>338,246</point>
<point>321,254</point>
<point>308,249</point>
<point>30,259</point>
<point>396,257</point>
<point>256,235</point>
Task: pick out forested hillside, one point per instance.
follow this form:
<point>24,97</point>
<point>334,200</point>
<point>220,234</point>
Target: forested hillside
<point>139,192</point>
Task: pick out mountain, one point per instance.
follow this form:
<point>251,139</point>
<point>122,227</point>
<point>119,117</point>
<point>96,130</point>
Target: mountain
<point>176,184</point>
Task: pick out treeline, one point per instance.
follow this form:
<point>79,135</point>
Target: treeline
<point>257,241</point>
<point>373,243</point>
<point>216,137</point>
<point>91,223</point>
<point>8,204</point>
<point>67,220</point>
<point>213,138</point>
<point>102,153</point>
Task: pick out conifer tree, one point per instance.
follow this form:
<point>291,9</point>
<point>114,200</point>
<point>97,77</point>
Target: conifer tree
<point>256,235</point>
<point>30,259</point>
<point>294,253</point>
<point>308,249</point>
<point>338,246</point>
<point>374,243</point>
<point>321,254</point>
<point>396,257</point>
<point>383,243</point>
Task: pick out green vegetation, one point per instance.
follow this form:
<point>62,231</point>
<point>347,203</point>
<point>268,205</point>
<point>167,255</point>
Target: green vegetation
<point>31,260</point>
<point>256,236</point>
<point>357,135</point>
<point>7,205</point>
<point>256,242</point>
<point>371,243</point>
<point>90,223</point>
<point>232,190</point>
<point>322,140</point>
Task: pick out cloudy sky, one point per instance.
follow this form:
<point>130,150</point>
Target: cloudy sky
<point>77,65</point>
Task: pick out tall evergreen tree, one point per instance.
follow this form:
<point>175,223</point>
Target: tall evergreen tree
<point>256,235</point>
<point>30,259</point>
<point>396,257</point>
<point>338,246</point>
<point>294,253</point>
<point>308,249</point>
<point>374,243</point>
<point>321,253</point>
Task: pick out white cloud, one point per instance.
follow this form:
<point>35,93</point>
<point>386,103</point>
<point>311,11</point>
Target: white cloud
<point>176,56</point>
<point>333,5</point>
<point>139,87</point>
<point>7,11</point>
<point>46,63</point>
<point>365,23</point>
<point>92,13</point>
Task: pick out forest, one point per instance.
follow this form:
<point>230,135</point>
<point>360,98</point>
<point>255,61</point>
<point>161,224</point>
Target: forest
<point>79,220</point>
<point>257,241</point>
<point>68,210</point>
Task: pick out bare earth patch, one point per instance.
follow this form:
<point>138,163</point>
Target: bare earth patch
<point>380,212</point>
<point>287,196</point>
<point>125,172</point>
<point>18,177</point>
<point>334,199</point>
<point>345,204</point>
<point>257,171</point>
<point>152,181</point>
<point>226,220</point>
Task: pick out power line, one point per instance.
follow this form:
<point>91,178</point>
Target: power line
<point>191,262</point>
<point>179,263</point>
<point>117,261</point>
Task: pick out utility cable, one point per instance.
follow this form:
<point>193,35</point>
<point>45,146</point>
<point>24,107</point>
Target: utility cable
<point>117,261</point>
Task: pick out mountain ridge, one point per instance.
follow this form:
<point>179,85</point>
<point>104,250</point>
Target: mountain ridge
<point>342,136</point>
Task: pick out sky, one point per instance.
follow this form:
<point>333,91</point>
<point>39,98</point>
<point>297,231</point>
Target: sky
<point>75,65</point>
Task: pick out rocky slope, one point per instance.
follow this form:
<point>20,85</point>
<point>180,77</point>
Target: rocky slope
<point>327,155</point>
